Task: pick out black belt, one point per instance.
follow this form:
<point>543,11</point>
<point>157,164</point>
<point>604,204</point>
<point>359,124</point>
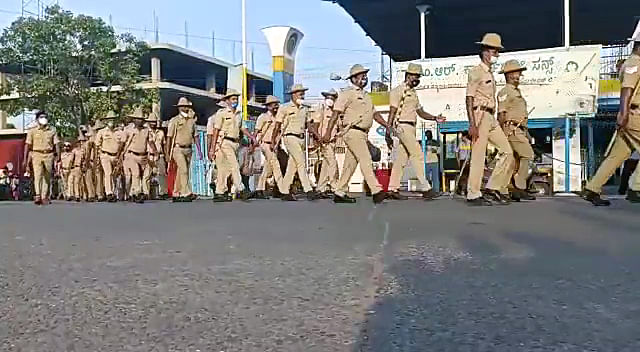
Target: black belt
<point>138,154</point>
<point>489,110</point>
<point>359,129</point>
<point>634,106</point>
<point>184,146</point>
<point>234,140</point>
<point>407,123</point>
<point>301,136</point>
<point>266,142</point>
<point>108,153</point>
<point>43,151</point>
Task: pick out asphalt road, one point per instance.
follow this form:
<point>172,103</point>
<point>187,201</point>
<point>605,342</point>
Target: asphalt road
<point>552,275</point>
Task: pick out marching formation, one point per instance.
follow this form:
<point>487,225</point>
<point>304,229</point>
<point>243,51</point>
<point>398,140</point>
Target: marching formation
<point>111,163</point>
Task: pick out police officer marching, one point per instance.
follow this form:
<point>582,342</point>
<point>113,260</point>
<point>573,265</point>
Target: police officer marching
<point>513,117</point>
<point>138,144</point>
<point>157,165</point>
<point>321,118</point>
<point>359,113</point>
<point>264,136</point>
<point>226,126</point>
<point>484,128</point>
<point>627,136</point>
<point>42,146</point>
<point>403,109</point>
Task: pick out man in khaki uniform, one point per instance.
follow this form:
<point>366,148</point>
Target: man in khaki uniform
<point>108,145</point>
<point>403,109</point>
<point>75,176</point>
<point>42,141</point>
<point>627,137</point>
<point>484,128</point>
<point>181,135</point>
<point>329,169</point>
<point>513,117</point>
<point>156,166</point>
<point>95,164</point>
<point>226,126</point>
<point>264,135</point>
<point>65,167</point>
<point>359,113</point>
<point>138,144</point>
<point>292,120</point>
<point>88,159</point>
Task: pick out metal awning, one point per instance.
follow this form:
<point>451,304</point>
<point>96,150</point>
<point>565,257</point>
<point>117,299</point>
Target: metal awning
<point>455,25</point>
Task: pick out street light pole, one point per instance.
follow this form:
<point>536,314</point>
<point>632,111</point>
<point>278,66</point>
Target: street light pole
<point>424,11</point>
<point>244,62</point>
<point>567,24</point>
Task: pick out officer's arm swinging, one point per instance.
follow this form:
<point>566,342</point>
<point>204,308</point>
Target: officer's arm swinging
<point>623,115</point>
<point>379,119</point>
<point>392,116</point>
<point>276,132</point>
<point>332,123</point>
<point>427,116</point>
<point>213,142</point>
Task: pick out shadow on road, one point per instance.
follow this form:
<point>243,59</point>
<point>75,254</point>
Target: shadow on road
<point>555,297</point>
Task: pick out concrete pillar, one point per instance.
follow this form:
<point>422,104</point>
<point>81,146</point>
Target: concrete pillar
<point>156,74</point>
<point>3,115</point>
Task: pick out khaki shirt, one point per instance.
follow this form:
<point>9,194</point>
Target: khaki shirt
<point>184,130</point>
<point>629,76</point>
<point>228,122</point>
<point>137,140</point>
<point>357,107</point>
<point>511,102</point>
<point>292,118</point>
<point>265,125</point>
<point>410,104</point>
<point>78,156</point>
<point>322,116</point>
<point>42,139</point>
<point>66,159</point>
<point>482,86</point>
<point>157,136</point>
<point>108,140</point>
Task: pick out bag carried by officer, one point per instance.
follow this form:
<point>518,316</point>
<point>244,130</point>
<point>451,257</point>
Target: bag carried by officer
<point>376,153</point>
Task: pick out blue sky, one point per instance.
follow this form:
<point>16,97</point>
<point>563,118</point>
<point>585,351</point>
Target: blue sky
<point>328,30</point>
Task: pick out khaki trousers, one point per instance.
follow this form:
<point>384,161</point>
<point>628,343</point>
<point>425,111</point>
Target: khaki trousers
<point>489,131</point>
<point>161,175</point>
<point>357,152</point>
<point>522,147</point>
<point>99,176</point>
<point>108,162</point>
<point>42,168</point>
<point>620,151</point>
<point>133,166</point>
<point>329,170</point>
<point>182,184</point>
<point>74,180</point>
<point>295,147</point>
<point>271,167</point>
<point>68,188</point>
<point>227,162</point>
<point>408,150</point>
<point>89,183</point>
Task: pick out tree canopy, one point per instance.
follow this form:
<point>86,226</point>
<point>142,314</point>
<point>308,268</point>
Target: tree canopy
<point>74,67</point>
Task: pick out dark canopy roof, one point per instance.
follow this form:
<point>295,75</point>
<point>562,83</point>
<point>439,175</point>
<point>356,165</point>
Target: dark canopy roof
<point>454,25</point>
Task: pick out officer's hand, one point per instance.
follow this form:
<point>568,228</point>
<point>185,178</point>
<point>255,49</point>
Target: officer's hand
<point>326,138</point>
<point>622,120</point>
<point>440,119</point>
<point>473,132</point>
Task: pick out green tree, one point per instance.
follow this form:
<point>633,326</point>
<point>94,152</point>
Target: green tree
<point>74,67</point>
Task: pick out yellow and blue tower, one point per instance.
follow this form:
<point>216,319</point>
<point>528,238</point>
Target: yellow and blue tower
<point>283,42</point>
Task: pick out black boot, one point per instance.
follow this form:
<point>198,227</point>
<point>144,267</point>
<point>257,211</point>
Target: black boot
<point>276,193</point>
<point>311,195</point>
<point>496,197</point>
<point>140,199</point>
<point>343,199</point>
<point>379,197</point>
<point>479,202</point>
<point>221,198</point>
<point>595,198</point>
<point>112,198</point>
<point>260,195</point>
<point>395,195</point>
<point>430,195</point>
<point>288,198</point>
<point>633,196</point>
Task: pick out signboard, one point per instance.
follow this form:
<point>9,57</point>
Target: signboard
<point>558,81</point>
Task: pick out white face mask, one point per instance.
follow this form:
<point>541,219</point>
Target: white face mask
<point>184,113</point>
<point>328,102</point>
<point>43,121</point>
<point>494,60</point>
<point>110,124</point>
<point>300,101</point>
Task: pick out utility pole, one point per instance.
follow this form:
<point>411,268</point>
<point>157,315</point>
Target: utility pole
<point>213,44</point>
<point>186,34</point>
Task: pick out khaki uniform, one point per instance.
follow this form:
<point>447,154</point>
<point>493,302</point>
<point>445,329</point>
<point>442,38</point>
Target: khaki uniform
<point>228,123</point>
<point>88,175</point>
<point>135,158</point>
<point>182,131</point>
<point>511,103</point>
<point>627,140</point>
<point>294,123</point>
<point>75,177</point>
<point>358,110</point>
<point>264,126</point>
<point>157,165</point>
<point>66,165</point>
<point>329,171</point>
<point>96,168</point>
<point>123,180</point>
<point>405,99</point>
<point>482,87</point>
<point>43,141</point>
<point>108,144</point>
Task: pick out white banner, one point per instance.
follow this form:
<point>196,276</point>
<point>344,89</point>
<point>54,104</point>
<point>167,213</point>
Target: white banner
<point>558,81</point>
